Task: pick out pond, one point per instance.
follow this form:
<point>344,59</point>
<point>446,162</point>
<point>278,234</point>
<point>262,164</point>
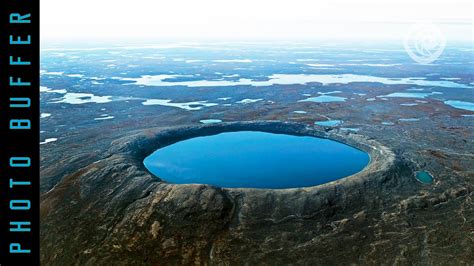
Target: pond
<point>254,159</point>
<point>328,123</point>
<point>424,177</point>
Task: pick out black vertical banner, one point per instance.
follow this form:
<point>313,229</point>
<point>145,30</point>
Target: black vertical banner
<point>19,122</point>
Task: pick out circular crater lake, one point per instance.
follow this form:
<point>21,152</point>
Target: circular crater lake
<point>254,159</point>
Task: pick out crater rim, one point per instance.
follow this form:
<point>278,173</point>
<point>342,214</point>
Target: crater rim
<point>145,142</point>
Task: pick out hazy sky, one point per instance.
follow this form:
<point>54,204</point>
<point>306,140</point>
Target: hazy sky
<point>197,20</point>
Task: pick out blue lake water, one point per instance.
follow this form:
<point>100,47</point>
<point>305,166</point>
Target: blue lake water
<point>328,123</point>
<point>287,79</point>
<point>351,129</point>
<point>210,121</point>
<point>409,119</point>
<point>424,177</point>
<point>252,159</point>
<point>420,95</point>
<point>461,105</point>
<point>324,99</point>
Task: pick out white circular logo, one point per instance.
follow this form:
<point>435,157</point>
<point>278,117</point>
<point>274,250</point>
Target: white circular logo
<point>424,43</point>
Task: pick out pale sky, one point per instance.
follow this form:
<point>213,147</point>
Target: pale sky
<point>198,20</point>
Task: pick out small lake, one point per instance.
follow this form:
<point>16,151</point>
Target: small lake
<point>461,105</point>
<point>253,159</point>
<point>328,123</point>
<point>324,99</point>
<point>424,177</point>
